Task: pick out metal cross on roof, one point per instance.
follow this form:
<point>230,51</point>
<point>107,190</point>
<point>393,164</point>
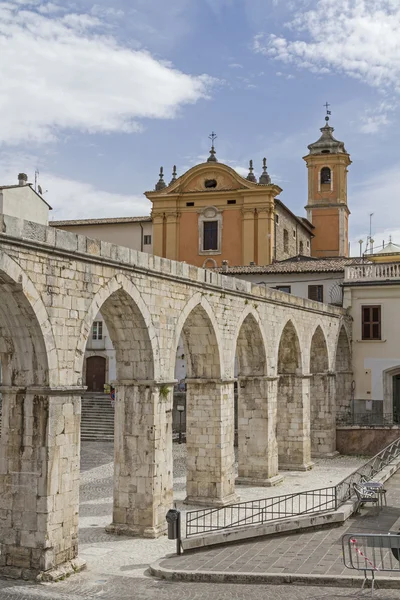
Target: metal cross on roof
<point>327,105</point>
<point>213,136</point>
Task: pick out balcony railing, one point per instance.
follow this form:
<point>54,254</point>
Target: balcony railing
<point>369,272</point>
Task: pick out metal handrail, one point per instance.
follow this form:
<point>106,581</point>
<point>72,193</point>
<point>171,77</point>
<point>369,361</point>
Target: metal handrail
<point>258,512</point>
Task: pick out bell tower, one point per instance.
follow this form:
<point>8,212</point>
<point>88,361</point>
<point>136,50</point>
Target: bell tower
<point>327,209</point>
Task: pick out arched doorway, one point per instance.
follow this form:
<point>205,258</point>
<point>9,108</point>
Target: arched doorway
<point>95,373</point>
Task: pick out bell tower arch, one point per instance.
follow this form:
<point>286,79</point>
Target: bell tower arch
<point>327,163</point>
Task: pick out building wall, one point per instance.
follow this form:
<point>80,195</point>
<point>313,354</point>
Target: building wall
<point>123,234</point>
<point>371,359</point>
<point>326,220</point>
<point>299,282</point>
<point>23,203</point>
<point>296,234</point>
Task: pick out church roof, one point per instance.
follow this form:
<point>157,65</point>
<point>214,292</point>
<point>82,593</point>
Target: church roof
<point>327,144</point>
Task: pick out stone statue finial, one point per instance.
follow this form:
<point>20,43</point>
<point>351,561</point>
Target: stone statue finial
<point>173,175</point>
<point>160,185</point>
<point>265,179</point>
<point>251,176</point>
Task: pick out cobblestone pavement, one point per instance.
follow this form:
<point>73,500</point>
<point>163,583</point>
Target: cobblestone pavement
<point>116,566</point>
<point>315,553</point>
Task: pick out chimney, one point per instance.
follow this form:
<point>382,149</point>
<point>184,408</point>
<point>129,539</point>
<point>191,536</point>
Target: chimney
<point>22,179</point>
<point>252,263</point>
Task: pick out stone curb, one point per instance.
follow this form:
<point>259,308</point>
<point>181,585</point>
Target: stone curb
<point>157,570</point>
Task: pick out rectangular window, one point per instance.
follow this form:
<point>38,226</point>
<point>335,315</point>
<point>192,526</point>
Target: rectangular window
<point>231,201</point>
<point>371,322</point>
<point>189,203</point>
<point>276,219</point>
<point>284,288</point>
<point>294,233</point>
<point>316,292</point>
<point>210,235</point>
<point>97,330</point>
<point>147,240</point>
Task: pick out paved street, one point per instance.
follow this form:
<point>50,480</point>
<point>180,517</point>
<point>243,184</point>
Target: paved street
<point>117,565</point>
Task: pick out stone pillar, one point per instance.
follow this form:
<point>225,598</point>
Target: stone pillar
<point>293,423</point>
<point>257,445</point>
<point>248,235</point>
<point>158,234</point>
<point>210,478</point>
<point>171,236</point>
<point>39,480</point>
<point>142,458</point>
<point>323,415</point>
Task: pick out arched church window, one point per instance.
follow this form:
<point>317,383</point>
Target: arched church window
<point>285,240</point>
<point>301,248</point>
<point>326,176</point>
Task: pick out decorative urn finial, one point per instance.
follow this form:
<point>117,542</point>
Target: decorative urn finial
<point>251,176</point>
<point>265,179</point>
<point>173,175</point>
<point>160,185</point>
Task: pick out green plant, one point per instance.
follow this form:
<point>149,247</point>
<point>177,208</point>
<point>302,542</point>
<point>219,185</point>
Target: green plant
<point>164,391</point>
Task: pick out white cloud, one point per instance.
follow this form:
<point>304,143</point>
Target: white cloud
<point>359,38</point>
<point>235,66</point>
<point>62,72</point>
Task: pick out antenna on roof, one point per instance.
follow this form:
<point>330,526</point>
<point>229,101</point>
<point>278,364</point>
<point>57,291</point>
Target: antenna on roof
<point>36,179</point>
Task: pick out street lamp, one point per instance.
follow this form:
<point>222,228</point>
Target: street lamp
<point>180,408</point>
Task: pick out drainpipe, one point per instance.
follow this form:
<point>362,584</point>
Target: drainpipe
<point>141,237</point>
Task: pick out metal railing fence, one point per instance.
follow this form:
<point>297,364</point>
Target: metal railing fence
<point>258,512</point>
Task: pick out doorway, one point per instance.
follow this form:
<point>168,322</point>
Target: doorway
<point>95,373</point>
<point>396,398</point>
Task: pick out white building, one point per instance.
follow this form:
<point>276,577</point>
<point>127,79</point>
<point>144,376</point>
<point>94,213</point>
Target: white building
<point>318,279</point>
<point>23,202</point>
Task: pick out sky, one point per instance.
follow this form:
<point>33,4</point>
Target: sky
<point>97,95</point>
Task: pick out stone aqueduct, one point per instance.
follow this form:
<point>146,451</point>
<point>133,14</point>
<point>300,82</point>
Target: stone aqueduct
<point>293,371</point>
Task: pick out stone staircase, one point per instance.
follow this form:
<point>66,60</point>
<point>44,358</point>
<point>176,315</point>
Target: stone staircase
<point>97,423</point>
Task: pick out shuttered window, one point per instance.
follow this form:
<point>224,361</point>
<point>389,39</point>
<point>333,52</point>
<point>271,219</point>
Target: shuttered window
<point>316,292</point>
<point>371,322</point>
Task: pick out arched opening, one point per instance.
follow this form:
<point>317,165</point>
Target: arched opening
<point>325,178</point>
<point>257,448</point>
<point>209,413</point>
<point>322,398</point>
<point>345,406</point>
<point>30,445</point>
<point>142,421</point>
<point>293,405</point>
<point>285,241</point>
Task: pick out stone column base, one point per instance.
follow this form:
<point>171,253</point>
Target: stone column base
<point>144,532</point>
<point>303,467</point>
<point>64,570</point>
<point>254,482</point>
<point>216,502</point>
<point>325,454</point>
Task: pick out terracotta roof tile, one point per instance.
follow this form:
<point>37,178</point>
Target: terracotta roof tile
<point>106,221</point>
<point>297,264</point>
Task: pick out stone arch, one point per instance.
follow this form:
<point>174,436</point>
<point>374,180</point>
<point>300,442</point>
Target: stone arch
<point>31,355</point>
<point>322,398</point>
<point>293,404</point>
<point>344,373</point>
<point>256,409</point>
<point>199,330</point>
<point>319,358</point>
<point>250,345</point>
<point>130,327</point>
<point>289,350</point>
